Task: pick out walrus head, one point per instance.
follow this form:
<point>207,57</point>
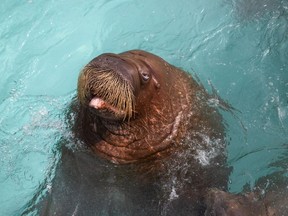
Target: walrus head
<point>134,106</point>
<point>110,84</point>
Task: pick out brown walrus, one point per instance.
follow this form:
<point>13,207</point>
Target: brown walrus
<point>135,108</point>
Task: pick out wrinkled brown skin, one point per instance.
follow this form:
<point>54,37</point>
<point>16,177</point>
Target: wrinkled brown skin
<point>168,107</point>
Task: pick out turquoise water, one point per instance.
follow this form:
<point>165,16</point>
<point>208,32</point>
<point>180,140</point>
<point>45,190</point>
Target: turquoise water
<point>240,47</point>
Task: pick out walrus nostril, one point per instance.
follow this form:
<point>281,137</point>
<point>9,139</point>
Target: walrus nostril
<point>145,77</point>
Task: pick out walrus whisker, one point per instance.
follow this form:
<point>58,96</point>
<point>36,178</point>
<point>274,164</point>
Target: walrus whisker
<point>109,86</point>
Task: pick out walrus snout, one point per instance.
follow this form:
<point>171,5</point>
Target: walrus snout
<point>125,68</point>
<point>109,84</point>
<point>113,84</point>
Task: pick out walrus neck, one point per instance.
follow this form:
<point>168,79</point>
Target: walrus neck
<point>133,142</point>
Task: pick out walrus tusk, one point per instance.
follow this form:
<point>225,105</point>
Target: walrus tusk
<point>98,103</point>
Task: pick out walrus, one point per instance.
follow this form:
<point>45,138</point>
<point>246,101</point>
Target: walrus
<point>135,109</point>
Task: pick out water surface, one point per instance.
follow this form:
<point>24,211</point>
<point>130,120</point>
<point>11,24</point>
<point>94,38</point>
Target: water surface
<point>240,47</point>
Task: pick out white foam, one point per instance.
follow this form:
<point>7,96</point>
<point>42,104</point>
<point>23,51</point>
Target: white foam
<point>173,195</point>
<point>203,157</point>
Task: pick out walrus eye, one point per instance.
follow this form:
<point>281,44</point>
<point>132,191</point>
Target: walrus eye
<point>145,77</point>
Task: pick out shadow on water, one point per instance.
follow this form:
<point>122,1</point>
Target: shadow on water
<point>86,185</point>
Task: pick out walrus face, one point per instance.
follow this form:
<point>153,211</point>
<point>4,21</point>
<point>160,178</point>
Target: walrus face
<point>110,85</point>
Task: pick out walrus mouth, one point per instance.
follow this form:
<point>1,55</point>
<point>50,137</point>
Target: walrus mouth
<point>107,92</point>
